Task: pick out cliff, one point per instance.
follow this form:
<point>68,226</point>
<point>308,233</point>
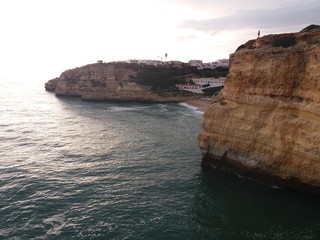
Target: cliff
<point>51,85</point>
<point>108,82</point>
<point>265,124</point>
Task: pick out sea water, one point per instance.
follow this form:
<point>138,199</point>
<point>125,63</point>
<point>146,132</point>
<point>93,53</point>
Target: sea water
<point>82,170</point>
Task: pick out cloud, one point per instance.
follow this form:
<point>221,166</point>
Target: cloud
<point>305,13</point>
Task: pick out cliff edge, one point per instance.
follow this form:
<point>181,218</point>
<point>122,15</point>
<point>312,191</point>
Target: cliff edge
<point>265,124</point>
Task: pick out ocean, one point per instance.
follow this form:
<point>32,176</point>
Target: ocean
<point>86,170</point>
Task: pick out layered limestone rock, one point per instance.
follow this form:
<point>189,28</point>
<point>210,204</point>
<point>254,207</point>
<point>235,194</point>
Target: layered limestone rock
<point>51,85</point>
<point>96,78</point>
<point>106,82</point>
<point>266,122</point>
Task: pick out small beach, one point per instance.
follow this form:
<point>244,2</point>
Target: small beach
<point>201,104</point>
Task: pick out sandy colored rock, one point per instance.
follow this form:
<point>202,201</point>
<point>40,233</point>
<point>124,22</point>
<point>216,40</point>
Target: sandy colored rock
<point>266,125</point>
<point>107,82</point>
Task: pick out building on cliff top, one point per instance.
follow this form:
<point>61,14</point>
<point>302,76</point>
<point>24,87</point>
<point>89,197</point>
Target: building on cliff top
<point>200,84</point>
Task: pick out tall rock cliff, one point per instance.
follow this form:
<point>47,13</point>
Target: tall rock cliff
<point>266,123</point>
<point>107,82</point>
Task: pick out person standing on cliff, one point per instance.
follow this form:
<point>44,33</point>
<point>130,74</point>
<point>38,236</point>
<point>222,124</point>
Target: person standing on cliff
<point>258,33</point>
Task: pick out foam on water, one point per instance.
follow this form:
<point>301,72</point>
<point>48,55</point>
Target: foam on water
<point>194,109</point>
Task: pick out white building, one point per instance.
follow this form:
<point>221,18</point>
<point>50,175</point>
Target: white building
<point>218,63</point>
<point>201,83</point>
<point>221,63</point>
<point>213,82</point>
<point>132,61</point>
<point>196,63</point>
<point>195,88</point>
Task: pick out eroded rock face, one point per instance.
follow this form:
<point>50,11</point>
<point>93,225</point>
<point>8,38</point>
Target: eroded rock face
<point>92,79</point>
<point>105,82</point>
<point>266,122</point>
<point>51,85</point>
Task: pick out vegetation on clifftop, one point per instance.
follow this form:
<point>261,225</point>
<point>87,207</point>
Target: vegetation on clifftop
<point>284,41</point>
<point>161,77</point>
<point>311,27</point>
<point>168,77</point>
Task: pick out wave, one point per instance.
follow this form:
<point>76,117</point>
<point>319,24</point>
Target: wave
<point>126,109</point>
<point>123,109</point>
<point>194,109</point>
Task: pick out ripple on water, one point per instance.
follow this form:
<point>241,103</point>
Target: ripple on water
<point>79,170</point>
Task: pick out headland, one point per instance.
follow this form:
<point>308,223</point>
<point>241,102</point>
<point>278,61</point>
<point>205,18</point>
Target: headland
<point>265,124</point>
<point>128,82</point>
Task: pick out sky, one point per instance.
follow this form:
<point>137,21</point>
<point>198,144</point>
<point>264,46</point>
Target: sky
<point>42,38</point>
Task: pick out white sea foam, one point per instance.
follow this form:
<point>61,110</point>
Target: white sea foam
<point>194,109</point>
<point>123,109</point>
<point>57,223</point>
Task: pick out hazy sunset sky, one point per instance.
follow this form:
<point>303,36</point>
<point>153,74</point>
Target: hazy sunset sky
<point>42,38</point>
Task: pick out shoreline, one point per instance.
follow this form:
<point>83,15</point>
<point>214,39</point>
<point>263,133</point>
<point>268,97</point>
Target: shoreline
<point>201,104</point>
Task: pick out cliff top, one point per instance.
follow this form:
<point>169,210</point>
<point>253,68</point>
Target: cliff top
<point>308,36</point>
<point>265,125</point>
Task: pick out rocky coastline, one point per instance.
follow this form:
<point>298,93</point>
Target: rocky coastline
<point>111,82</point>
<point>265,125</point>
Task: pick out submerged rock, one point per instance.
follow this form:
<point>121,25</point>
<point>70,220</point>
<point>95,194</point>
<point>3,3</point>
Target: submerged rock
<point>266,123</point>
